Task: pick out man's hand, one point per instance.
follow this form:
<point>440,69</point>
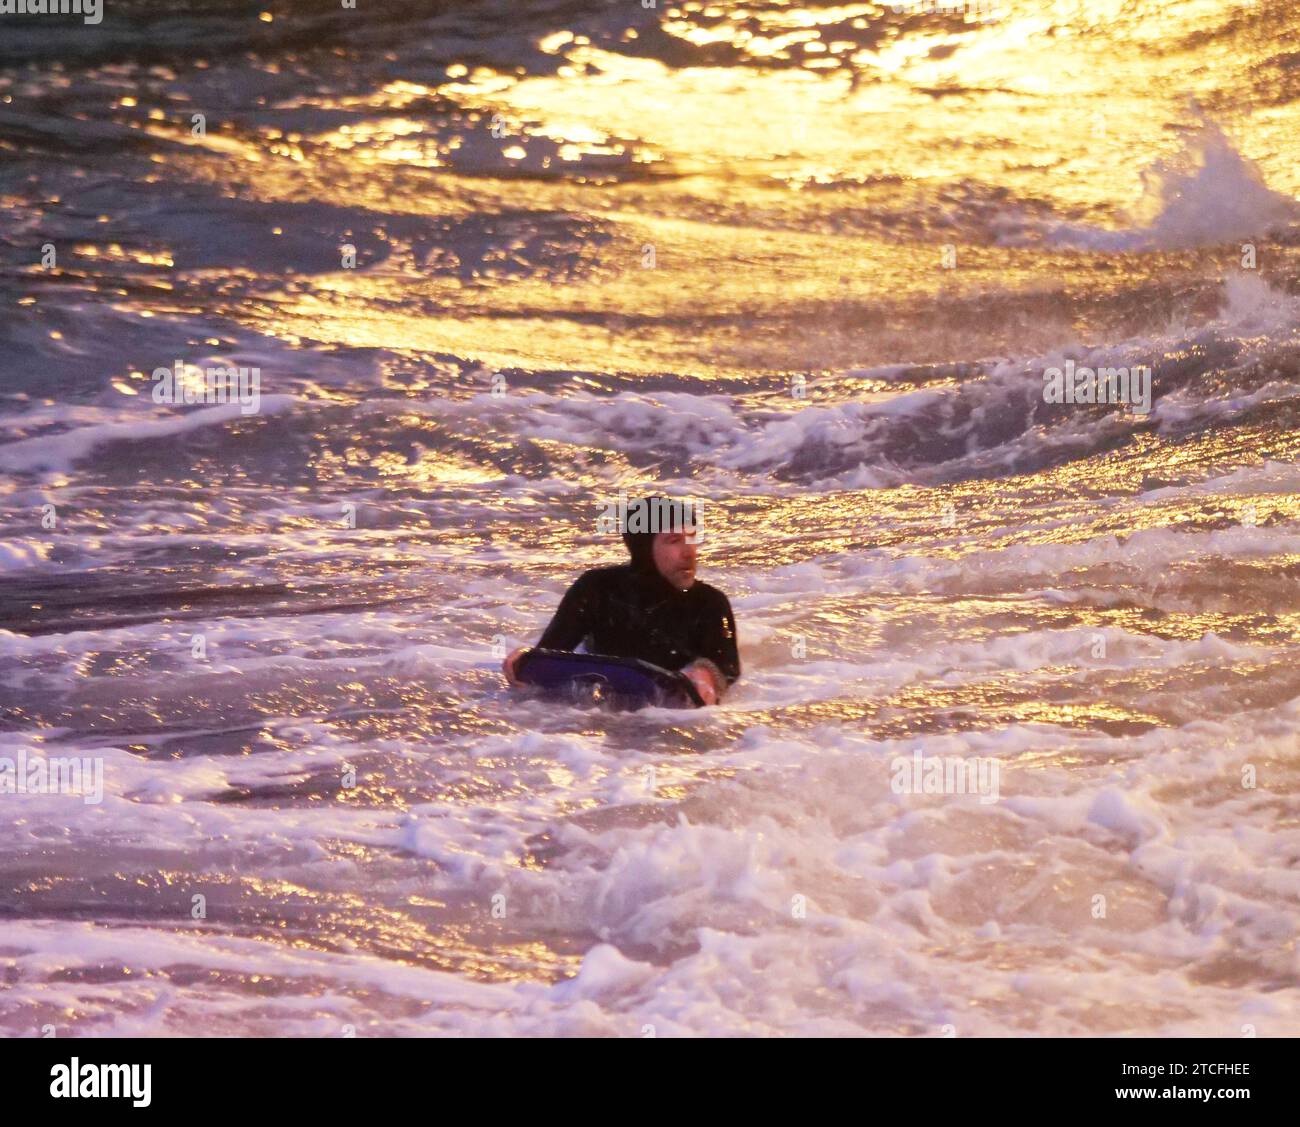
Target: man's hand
<point>703,675</point>
<point>508,666</point>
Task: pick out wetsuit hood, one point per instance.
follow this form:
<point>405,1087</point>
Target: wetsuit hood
<point>641,546</point>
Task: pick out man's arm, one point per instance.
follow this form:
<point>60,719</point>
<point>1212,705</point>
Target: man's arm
<point>718,660</point>
<point>573,618</point>
<point>569,625</point>
<point>719,643</point>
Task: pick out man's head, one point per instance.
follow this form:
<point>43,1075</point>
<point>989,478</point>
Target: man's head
<point>661,537</point>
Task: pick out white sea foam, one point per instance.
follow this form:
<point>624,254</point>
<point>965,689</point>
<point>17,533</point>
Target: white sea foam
<point>1204,194</point>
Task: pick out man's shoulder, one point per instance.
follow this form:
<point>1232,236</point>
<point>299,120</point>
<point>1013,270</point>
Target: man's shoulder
<point>709,594</point>
<point>603,576</point>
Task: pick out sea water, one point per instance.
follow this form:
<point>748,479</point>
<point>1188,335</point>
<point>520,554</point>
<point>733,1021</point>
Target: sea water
<point>496,264</point>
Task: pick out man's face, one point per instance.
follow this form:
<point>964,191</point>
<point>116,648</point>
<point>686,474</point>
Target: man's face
<point>674,556</point>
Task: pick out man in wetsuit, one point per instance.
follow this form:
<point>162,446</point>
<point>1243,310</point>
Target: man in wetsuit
<point>652,608</point>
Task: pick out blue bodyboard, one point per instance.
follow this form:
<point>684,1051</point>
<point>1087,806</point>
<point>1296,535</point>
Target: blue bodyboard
<point>622,682</point>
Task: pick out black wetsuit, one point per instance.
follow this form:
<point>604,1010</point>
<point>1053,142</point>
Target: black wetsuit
<point>634,612</point>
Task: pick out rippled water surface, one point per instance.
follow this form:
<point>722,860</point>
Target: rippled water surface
<point>807,262</point>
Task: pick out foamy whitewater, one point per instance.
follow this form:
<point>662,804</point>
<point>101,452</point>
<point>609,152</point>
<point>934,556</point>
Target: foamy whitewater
<point>495,263</point>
